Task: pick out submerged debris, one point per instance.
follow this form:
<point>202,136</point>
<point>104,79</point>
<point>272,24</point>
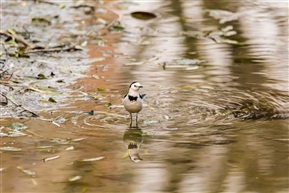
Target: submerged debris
<point>27,172</point>
<point>51,158</point>
<point>143,15</point>
<point>75,178</point>
<point>92,159</point>
<point>8,148</point>
<point>15,130</point>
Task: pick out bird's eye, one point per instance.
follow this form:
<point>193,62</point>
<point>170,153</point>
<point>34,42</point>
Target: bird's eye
<point>134,85</point>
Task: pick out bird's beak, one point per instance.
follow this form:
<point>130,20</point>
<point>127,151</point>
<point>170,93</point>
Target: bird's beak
<point>140,86</point>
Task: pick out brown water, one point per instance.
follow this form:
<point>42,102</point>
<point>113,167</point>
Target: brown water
<point>216,110</point>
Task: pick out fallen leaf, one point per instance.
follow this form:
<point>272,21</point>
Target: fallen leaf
<point>108,105</point>
<point>10,41</point>
<point>62,6</point>
<point>52,100</point>
<point>101,89</point>
<point>116,27</point>
<point>11,31</point>
<point>40,21</point>
<point>41,76</point>
<point>143,15</point>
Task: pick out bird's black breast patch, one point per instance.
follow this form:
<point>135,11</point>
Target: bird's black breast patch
<point>132,98</point>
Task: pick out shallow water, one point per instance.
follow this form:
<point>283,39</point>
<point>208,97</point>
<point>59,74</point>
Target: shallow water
<point>216,110</point>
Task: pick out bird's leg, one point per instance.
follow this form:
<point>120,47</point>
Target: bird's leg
<point>130,120</point>
<point>136,121</point>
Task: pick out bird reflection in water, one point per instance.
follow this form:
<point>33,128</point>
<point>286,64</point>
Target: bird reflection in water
<point>133,138</point>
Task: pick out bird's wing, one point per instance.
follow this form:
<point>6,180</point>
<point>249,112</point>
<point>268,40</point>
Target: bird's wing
<point>142,96</point>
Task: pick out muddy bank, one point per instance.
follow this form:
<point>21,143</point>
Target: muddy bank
<point>54,74</point>
<point>47,51</point>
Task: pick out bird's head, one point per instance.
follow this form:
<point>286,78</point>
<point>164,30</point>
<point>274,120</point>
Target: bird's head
<point>135,86</point>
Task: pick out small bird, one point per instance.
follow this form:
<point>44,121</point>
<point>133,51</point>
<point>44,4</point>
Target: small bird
<point>133,100</point>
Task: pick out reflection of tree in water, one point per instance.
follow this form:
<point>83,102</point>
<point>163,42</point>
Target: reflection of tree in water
<point>238,80</point>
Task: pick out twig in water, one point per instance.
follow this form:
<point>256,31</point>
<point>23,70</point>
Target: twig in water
<point>25,109</point>
<point>14,37</point>
<point>47,2</point>
<point>35,49</point>
<point>83,5</point>
<point>70,48</point>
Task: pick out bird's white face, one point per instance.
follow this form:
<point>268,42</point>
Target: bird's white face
<point>135,86</point>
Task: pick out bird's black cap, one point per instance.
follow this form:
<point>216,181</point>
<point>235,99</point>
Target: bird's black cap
<point>132,83</point>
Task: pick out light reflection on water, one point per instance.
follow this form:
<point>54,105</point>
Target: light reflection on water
<point>209,150</point>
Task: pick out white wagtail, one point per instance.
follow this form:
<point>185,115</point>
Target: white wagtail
<point>133,101</point>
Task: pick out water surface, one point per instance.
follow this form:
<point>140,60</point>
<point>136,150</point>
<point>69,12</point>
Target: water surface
<point>215,120</point>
